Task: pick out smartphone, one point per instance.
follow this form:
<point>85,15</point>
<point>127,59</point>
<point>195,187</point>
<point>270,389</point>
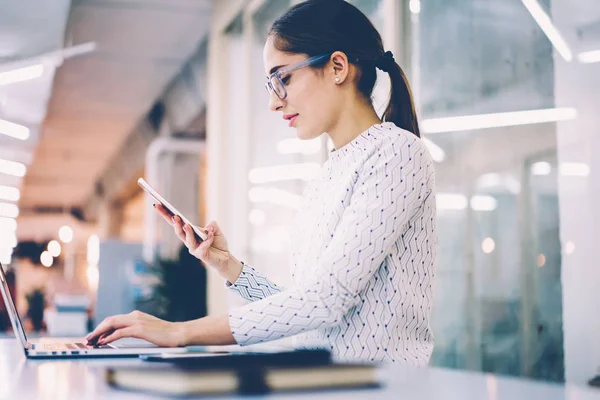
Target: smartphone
<point>148,189</point>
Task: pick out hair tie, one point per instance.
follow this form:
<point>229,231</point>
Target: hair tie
<point>386,62</point>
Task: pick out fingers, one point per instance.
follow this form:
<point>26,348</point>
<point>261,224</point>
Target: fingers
<point>190,238</point>
<point>202,249</point>
<point>178,227</point>
<point>166,214</point>
<point>186,233</point>
<point>212,225</point>
<point>105,334</point>
<point>108,325</point>
<point>131,331</point>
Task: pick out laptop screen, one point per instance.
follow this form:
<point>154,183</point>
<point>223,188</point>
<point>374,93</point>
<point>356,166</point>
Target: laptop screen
<point>11,309</point>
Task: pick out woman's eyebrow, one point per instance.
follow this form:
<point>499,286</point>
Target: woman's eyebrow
<point>274,69</point>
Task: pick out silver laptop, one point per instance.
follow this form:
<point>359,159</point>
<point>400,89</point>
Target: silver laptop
<point>59,348</point>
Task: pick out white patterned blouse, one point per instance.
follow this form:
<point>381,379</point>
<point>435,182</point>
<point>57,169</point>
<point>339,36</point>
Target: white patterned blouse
<point>363,257</point>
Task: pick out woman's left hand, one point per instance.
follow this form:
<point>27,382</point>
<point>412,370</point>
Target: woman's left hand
<point>138,325</point>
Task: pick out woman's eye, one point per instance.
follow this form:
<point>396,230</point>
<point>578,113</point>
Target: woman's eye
<point>285,79</point>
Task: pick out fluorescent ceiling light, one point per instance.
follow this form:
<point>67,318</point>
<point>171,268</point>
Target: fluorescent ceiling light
<point>9,210</point>
<point>8,240</point>
<point>484,203</point>
<point>21,74</point>
<point>488,245</point>
<point>545,23</point>
<point>5,257</point>
<point>573,169</point>
<point>487,181</point>
<point>46,259</point>
<point>484,121</point>
<point>14,130</point>
<point>589,57</point>
<point>33,68</point>
<point>65,233</point>
<point>437,153</point>
<point>275,196</point>
<point>457,201</point>
<point>569,247</point>
<point>9,193</point>
<point>415,6</point>
<point>8,224</point>
<point>93,250</point>
<point>297,146</point>
<point>54,248</point>
<point>12,168</point>
<point>448,201</point>
<point>73,51</point>
<point>541,168</point>
<point>93,276</point>
<point>302,171</point>
<point>495,180</point>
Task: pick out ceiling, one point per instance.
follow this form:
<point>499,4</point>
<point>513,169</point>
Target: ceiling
<point>25,103</point>
<point>99,97</point>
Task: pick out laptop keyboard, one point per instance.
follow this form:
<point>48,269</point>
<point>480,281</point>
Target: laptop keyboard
<point>72,346</point>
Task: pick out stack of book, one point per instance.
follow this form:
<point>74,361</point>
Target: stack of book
<point>243,373</point>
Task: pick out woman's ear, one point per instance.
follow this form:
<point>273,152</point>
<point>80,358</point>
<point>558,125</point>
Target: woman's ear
<point>340,67</point>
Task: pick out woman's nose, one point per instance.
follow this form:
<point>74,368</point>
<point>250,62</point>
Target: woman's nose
<point>275,103</point>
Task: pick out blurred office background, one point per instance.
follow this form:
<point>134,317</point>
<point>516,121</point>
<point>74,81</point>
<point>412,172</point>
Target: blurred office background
<point>96,93</point>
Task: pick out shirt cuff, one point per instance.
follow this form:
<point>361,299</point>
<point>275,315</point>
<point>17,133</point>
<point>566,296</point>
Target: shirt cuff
<point>251,285</point>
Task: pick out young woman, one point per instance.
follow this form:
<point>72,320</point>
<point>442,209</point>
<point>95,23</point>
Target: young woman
<point>364,242</point>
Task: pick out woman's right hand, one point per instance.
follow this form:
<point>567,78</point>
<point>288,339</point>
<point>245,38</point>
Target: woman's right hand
<point>213,251</point>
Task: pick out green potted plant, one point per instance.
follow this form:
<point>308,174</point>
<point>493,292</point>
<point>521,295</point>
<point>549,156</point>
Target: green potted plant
<point>36,301</point>
<point>181,293</point>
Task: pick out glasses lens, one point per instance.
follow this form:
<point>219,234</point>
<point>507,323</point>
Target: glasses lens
<point>277,86</point>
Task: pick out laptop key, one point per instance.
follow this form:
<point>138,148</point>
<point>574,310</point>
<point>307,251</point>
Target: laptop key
<point>71,346</point>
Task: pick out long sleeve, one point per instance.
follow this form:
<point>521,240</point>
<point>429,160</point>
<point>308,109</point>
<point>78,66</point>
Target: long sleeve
<point>251,285</point>
<point>387,190</point>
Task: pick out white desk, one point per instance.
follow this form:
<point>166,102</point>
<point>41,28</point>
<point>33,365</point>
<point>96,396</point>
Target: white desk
<point>23,379</point>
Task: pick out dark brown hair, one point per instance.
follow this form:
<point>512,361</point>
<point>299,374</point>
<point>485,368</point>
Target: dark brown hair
<point>316,27</point>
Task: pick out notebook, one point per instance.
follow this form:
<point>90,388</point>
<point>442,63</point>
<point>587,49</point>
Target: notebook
<point>254,373</point>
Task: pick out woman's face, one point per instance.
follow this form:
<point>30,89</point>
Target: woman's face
<point>310,105</point>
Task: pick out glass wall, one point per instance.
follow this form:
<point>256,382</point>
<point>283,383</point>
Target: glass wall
<point>499,264</point>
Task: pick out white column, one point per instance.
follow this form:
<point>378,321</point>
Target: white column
<point>577,85</point>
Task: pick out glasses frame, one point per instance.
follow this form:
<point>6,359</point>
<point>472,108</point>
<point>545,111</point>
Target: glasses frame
<point>277,75</point>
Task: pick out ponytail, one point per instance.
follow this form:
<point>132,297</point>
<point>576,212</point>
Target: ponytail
<point>401,108</point>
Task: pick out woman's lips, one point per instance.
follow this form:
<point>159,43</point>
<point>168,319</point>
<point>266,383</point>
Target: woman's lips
<point>291,118</point>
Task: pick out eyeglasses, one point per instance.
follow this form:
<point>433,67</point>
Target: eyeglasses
<point>275,82</point>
